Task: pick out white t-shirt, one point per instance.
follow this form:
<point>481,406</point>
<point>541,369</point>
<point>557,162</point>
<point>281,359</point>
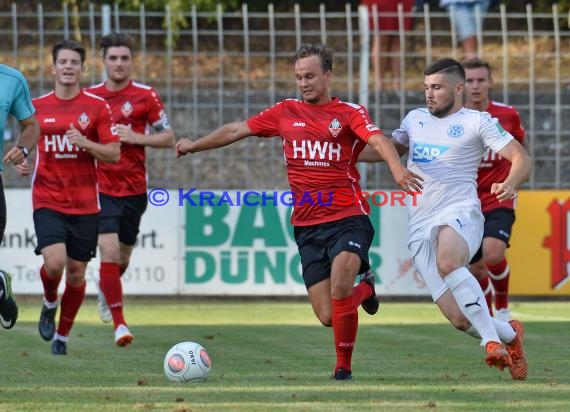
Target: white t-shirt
<point>446,153</point>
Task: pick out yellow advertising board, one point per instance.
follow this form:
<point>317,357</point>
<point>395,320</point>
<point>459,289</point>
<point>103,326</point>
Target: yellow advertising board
<point>539,256</point>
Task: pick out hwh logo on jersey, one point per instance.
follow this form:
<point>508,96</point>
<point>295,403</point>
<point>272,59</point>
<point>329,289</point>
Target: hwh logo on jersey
<point>307,149</point>
<point>425,153</point>
<point>58,143</point>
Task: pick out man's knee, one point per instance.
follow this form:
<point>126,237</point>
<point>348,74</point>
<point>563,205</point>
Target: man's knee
<point>446,265</point>
<point>54,263</point>
<point>493,257</point>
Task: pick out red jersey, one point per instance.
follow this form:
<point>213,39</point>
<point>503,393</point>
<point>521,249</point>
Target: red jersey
<point>65,176</point>
<point>493,168</point>
<point>321,144</point>
<point>137,105</point>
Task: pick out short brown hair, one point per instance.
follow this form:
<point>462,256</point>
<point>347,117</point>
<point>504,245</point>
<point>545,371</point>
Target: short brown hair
<point>68,44</point>
<point>325,53</point>
<point>115,39</point>
<point>476,63</point>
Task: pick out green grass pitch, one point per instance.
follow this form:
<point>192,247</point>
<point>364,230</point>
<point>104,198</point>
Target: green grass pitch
<point>274,356</point>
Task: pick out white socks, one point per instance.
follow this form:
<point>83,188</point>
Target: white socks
<point>471,302</point>
<point>504,330</point>
<point>57,336</point>
<point>50,305</point>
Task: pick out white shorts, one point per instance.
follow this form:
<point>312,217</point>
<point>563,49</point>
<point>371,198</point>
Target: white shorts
<point>469,223</point>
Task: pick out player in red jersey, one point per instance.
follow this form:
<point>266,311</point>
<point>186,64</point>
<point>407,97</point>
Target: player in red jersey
<point>490,263</point>
<point>322,137</point>
<point>122,186</point>
<point>77,132</point>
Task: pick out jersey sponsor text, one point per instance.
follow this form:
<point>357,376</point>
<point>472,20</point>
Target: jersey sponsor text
<point>311,149</point>
<point>425,153</point>
<point>59,144</point>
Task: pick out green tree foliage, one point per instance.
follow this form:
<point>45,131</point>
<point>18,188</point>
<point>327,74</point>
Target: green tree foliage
<point>174,5</point>
<point>177,9</point>
<point>546,6</point>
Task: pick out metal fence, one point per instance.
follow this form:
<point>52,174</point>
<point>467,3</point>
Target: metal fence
<point>224,66</point>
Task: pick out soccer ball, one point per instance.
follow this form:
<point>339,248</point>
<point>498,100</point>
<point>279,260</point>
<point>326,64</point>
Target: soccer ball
<point>187,362</point>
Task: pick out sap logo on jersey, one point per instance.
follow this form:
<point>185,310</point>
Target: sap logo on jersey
<point>425,153</point>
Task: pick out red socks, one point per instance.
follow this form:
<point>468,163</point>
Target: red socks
<point>110,284</point>
<point>70,303</point>
<point>51,284</point>
<point>345,325</point>
<point>499,274</point>
<point>361,292</point>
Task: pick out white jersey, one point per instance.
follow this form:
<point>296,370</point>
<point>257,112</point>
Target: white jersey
<point>446,153</point>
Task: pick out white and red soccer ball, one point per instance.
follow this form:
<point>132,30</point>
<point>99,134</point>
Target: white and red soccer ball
<point>187,362</point>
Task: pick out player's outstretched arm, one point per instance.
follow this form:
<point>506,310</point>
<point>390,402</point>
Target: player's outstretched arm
<point>370,155</point>
<point>520,171</point>
<point>223,136</point>
<point>163,139</point>
<point>386,150</point>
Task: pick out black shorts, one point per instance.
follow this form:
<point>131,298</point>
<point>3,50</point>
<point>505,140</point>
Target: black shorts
<point>122,215</point>
<point>77,232</point>
<point>499,225</point>
<point>320,244</point>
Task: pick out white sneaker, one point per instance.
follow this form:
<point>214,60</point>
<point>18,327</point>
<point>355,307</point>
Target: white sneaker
<point>123,336</point>
<point>503,314</point>
<point>104,311</point>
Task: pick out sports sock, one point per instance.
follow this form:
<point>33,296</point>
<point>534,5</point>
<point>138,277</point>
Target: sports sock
<point>49,305</point>
<point>110,284</point>
<point>487,292</point>
<point>51,284</point>
<point>471,302</point>
<point>504,330</point>
<point>499,275</point>
<point>70,303</point>
<point>62,338</point>
<point>361,292</point>
<point>345,325</point>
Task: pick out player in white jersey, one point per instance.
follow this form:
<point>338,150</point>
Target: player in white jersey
<point>445,143</point>
<point>446,152</point>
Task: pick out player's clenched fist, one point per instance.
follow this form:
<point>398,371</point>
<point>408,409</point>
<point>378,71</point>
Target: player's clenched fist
<point>183,146</point>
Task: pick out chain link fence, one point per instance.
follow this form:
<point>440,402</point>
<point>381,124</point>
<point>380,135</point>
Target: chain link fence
<point>226,66</point>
